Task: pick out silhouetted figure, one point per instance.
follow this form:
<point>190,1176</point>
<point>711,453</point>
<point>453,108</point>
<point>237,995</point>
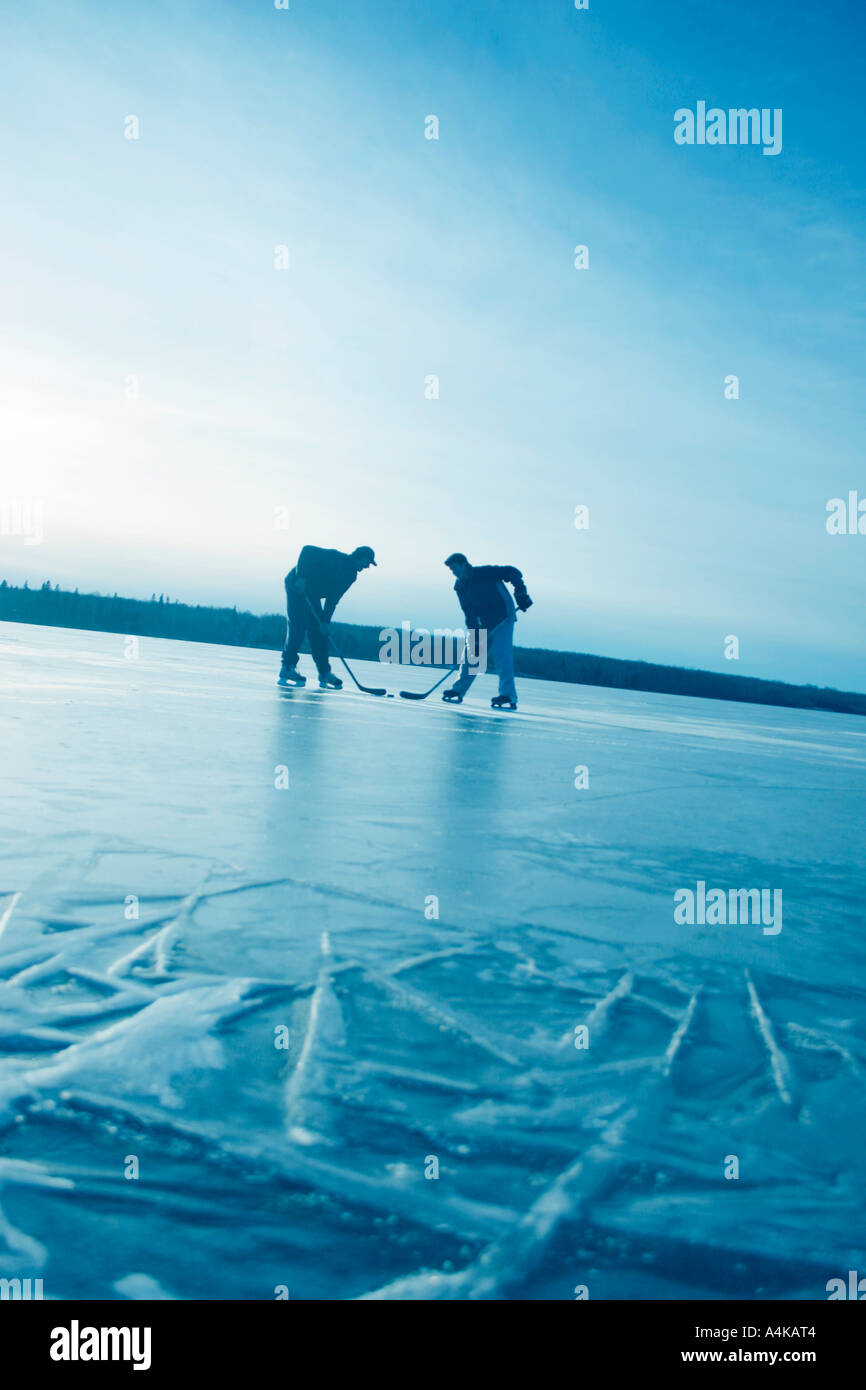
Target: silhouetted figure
<point>488,605</point>
<point>313,590</point>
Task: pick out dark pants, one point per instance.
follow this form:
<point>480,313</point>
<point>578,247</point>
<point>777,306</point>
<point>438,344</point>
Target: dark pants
<point>301,624</point>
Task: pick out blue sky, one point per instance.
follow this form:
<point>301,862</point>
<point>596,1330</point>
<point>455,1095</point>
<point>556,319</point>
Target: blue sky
<point>261,388</point>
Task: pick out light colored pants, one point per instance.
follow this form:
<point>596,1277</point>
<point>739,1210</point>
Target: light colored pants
<point>500,650</point>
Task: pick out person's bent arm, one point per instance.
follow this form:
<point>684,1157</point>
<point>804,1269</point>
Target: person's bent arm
<point>509,574</point>
<point>472,622</point>
<point>332,600</point>
<point>513,576</point>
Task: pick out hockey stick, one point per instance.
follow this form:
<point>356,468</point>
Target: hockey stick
<point>367,689</point>
<point>414,695</point>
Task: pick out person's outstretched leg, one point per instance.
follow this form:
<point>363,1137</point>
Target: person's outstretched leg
<point>455,692</point>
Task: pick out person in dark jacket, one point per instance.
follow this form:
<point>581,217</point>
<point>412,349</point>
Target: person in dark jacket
<point>487,605</point>
<point>313,590</point>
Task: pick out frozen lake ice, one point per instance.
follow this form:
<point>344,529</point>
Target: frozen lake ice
<point>425,914</point>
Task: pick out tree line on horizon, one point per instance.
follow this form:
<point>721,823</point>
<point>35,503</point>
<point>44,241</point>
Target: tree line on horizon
<point>161,616</point>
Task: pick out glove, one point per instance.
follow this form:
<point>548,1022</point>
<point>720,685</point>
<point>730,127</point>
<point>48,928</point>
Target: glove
<point>523,601</point>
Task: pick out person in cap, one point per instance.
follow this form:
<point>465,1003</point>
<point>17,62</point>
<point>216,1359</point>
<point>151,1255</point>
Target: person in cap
<point>313,590</point>
<point>487,605</point>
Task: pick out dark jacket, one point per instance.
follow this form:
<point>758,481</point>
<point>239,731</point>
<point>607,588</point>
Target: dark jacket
<point>483,596</point>
<point>327,574</point>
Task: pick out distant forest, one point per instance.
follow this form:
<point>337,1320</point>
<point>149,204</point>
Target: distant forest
<point>161,616</point>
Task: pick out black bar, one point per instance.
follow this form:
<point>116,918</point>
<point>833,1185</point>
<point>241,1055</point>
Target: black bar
<point>225,1338</point>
